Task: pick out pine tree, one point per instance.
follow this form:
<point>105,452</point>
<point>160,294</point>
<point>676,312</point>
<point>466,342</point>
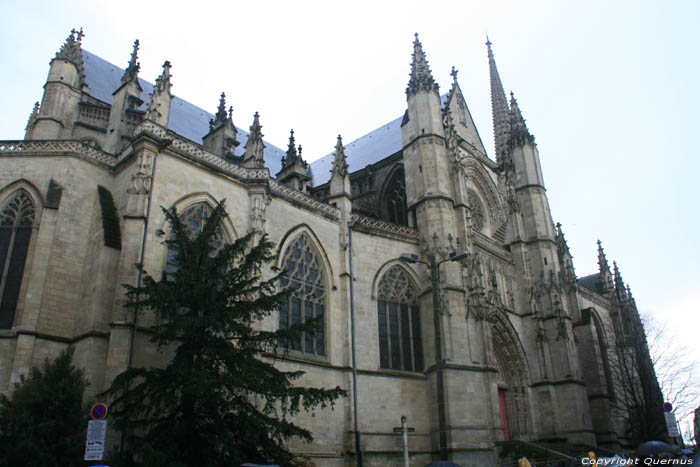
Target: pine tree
<point>220,401</point>
<point>44,421</point>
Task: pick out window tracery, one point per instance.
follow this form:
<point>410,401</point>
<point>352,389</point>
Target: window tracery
<point>304,276</point>
<point>16,221</point>
<point>395,199</point>
<point>398,317</point>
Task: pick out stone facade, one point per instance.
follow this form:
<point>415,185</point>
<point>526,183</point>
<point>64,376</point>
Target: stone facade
<point>525,349</point>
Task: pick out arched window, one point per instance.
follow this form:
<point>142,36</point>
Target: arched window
<point>194,218</point>
<point>400,346</point>
<point>305,277</point>
<point>395,199</point>
<point>16,221</point>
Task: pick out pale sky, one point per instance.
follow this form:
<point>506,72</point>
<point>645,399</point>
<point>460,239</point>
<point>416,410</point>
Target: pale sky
<point>607,88</point>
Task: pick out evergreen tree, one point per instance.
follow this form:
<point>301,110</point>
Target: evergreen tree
<point>44,422</point>
<point>220,401</point>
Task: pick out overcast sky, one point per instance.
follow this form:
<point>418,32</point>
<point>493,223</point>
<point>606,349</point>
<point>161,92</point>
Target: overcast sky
<point>605,87</point>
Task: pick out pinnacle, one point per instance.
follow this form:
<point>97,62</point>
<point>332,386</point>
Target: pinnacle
<point>340,161</point>
<point>420,78</point>
<point>499,108</point>
<point>517,122</point>
<point>254,147</point>
<point>163,81</point>
<point>132,71</point>
<point>72,51</point>
<point>221,115</point>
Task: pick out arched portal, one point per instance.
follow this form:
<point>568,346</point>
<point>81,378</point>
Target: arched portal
<point>513,400</point>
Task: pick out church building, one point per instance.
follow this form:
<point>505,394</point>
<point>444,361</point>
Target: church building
<point>446,290</point>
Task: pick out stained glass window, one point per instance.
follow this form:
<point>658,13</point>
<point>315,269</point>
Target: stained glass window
<point>304,275</point>
<point>16,221</point>
<point>398,317</point>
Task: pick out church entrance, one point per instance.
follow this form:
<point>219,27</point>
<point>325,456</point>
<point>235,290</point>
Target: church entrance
<point>513,396</point>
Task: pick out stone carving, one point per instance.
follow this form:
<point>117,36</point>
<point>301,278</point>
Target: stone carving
<point>380,226</point>
<point>476,211</point>
<point>140,184</point>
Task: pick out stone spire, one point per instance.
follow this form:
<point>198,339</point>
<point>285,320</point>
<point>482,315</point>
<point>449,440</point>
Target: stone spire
<point>421,78</point>
<point>132,70</point>
<point>72,50</point>
<point>295,171</point>
<point>254,147</point>
<point>221,115</point>
<point>339,185</point>
<point>340,160</point>
<point>221,138</point>
<point>518,129</point>
<point>620,289</point>
<point>33,116</point>
<point>499,108</point>
<point>159,106</point>
<point>604,270</point>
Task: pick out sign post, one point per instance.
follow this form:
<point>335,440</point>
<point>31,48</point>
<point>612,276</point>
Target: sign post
<point>96,434</point>
<point>404,430</point>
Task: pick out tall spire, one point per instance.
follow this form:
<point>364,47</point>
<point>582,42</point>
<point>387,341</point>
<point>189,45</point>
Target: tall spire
<point>421,78</point>
<point>499,108</point>
<point>254,147</point>
<point>132,71</point>
<point>340,160</point>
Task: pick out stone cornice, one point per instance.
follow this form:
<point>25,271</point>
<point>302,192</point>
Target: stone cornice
<point>376,226</point>
<point>58,148</point>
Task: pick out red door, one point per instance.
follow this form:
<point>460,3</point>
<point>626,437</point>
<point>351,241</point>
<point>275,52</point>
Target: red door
<point>504,412</point>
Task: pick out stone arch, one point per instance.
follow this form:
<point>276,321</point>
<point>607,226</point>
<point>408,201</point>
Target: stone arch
<point>392,196</point>
<point>514,377</point>
<point>383,270</point>
<point>479,180</point>
<point>398,320</point>
<point>306,272</point>
<point>20,210</point>
<point>187,201</point>
<point>602,343</point>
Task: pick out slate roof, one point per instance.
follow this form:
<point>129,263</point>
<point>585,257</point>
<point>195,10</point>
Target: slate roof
<point>369,149</point>
<point>186,119</point>
<point>192,122</point>
<point>590,282</point>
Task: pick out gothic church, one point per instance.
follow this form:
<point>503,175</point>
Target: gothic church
<point>447,292</point>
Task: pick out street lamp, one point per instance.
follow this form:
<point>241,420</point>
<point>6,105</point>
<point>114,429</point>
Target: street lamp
<point>434,266</point>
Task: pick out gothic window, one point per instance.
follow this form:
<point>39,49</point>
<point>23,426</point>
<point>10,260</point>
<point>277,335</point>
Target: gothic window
<point>304,276</point>
<point>398,316</point>
<point>194,218</point>
<point>16,221</point>
<point>395,199</point>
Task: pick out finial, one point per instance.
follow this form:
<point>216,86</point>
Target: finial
<point>230,112</point>
<point>71,51</point>
<point>132,71</point>
<point>340,162</point>
<point>420,78</point>
<point>453,73</point>
<point>254,147</point>
<point>33,115</point>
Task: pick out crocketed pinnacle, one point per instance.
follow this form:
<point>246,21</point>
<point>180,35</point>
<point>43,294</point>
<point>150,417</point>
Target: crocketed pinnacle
<point>72,51</point>
<point>518,129</point>
<point>163,81</point>
<point>292,156</point>
<point>33,116</point>
<point>620,289</point>
<point>560,239</point>
<point>421,77</point>
<point>254,147</point>
<point>340,160</point>
<point>221,115</point>
<point>132,71</point>
<point>499,108</point>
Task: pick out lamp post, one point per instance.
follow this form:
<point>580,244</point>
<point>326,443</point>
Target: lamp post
<point>434,265</point>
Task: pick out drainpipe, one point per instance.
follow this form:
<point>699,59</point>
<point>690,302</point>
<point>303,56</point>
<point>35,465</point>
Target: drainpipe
<point>358,448</point>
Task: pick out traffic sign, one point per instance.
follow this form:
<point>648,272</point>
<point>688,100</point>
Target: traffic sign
<point>98,411</point>
<point>95,442</point>
<point>668,407</point>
